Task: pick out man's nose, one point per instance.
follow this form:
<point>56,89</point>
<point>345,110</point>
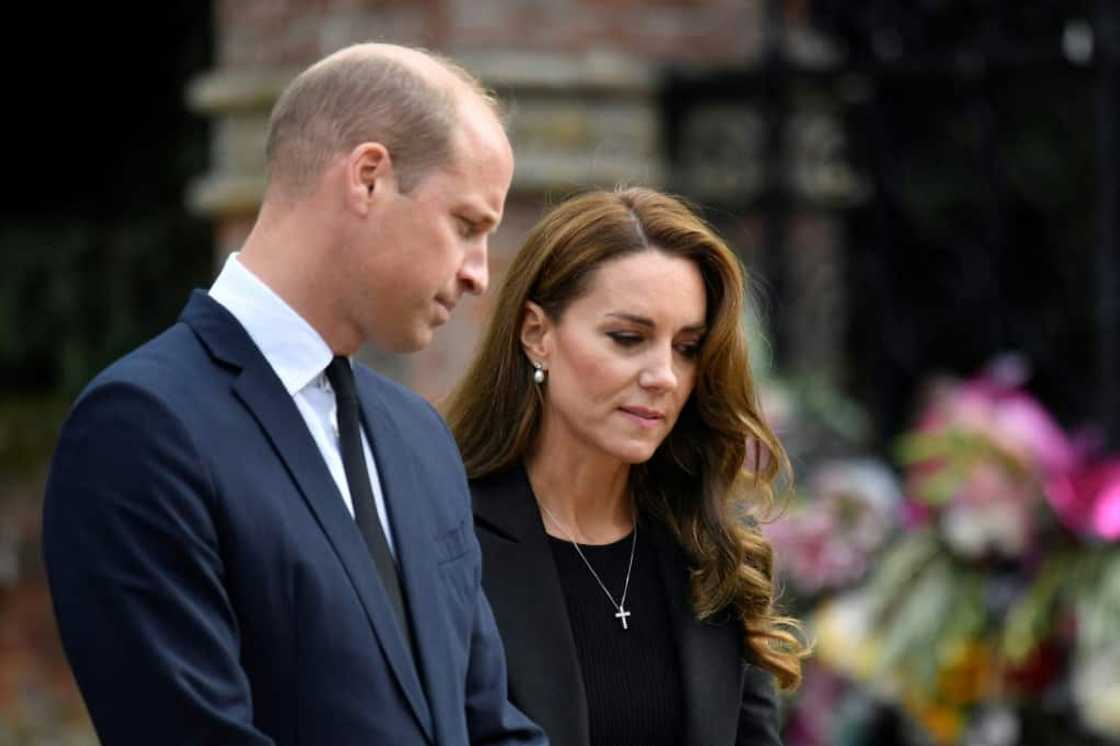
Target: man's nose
<point>475,272</point>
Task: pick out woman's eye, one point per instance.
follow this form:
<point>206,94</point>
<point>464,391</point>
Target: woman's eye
<point>466,228</point>
<point>624,339</point>
<point>690,350</point>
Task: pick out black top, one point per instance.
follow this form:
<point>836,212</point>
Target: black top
<point>632,676</point>
<point>726,701</point>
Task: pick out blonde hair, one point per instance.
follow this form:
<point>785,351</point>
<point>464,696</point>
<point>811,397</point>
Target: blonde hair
<point>720,461</point>
<point>360,94</point>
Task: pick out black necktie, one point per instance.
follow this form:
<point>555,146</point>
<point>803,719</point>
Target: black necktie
<point>341,377</point>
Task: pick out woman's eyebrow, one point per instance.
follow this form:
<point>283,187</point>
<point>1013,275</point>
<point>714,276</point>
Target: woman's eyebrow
<point>632,318</point>
<point>647,322</point>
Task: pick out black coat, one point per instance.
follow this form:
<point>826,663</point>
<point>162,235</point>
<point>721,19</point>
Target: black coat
<point>728,701</point>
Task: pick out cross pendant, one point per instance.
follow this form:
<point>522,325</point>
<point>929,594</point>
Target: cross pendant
<point>621,616</point>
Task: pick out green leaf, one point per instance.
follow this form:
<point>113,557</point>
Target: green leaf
<point>1031,620</point>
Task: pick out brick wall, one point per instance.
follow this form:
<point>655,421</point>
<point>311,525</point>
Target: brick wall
<point>293,32</point>
<point>582,79</point>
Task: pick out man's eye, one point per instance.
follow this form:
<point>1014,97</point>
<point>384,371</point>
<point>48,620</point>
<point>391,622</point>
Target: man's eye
<point>467,229</point>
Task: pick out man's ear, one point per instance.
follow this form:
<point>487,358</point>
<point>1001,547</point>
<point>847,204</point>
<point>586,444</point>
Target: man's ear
<point>536,333</point>
<point>369,175</point>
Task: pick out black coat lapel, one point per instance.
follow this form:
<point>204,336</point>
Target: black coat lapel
<point>265,397</point>
<point>710,655</point>
<point>520,579</point>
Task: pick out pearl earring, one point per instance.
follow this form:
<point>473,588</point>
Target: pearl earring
<point>539,373</point>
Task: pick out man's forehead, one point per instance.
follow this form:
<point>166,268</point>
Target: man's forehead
<point>484,161</point>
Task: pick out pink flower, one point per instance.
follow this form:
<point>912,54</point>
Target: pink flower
<point>1088,500</point>
<point>829,542</point>
<point>1012,419</point>
<point>916,515</point>
<point>991,513</point>
<point>977,462</point>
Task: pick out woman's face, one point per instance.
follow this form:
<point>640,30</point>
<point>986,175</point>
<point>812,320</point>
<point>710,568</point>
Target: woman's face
<point>622,359</point>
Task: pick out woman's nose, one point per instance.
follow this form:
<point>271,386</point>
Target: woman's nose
<point>658,372</point>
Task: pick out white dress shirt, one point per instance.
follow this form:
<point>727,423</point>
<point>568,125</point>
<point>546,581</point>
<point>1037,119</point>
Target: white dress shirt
<point>299,356</point>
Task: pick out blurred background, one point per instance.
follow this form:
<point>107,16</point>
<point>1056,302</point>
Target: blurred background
<point>926,194</point>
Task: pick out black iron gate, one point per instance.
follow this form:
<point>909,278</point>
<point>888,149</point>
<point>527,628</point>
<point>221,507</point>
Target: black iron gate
<point>985,135</point>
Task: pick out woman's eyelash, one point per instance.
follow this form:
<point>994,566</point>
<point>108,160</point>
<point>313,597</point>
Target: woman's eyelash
<point>625,339</point>
<point>691,349</point>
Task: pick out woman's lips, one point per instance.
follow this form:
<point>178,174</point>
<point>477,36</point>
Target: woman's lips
<point>643,416</point>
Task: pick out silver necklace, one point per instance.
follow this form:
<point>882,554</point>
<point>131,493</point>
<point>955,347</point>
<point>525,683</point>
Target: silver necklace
<point>620,606</point>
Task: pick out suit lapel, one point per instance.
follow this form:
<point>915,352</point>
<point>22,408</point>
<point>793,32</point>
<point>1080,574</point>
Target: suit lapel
<point>710,655</point>
<point>416,559</point>
<point>265,397</point>
<point>520,579</point>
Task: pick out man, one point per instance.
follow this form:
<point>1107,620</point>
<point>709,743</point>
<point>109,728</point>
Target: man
<point>249,541</point>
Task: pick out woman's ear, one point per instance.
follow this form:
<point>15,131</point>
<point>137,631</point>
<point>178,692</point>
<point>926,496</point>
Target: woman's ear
<point>536,333</point>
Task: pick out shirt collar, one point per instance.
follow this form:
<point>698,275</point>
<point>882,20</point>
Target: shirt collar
<point>291,346</point>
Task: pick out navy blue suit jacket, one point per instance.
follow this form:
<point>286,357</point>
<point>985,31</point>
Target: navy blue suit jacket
<point>211,586</point>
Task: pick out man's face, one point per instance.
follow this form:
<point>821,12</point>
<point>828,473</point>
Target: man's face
<point>421,250</point>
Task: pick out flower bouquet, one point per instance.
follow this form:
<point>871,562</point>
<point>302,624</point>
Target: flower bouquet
<point>992,613</point>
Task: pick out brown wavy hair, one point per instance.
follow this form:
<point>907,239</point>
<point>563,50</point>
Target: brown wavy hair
<point>714,474</point>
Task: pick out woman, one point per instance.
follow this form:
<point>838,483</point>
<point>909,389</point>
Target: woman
<point>616,450</point>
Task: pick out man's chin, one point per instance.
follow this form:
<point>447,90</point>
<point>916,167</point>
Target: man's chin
<point>412,344</point>
<point>418,340</point>
<point>404,342</point>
